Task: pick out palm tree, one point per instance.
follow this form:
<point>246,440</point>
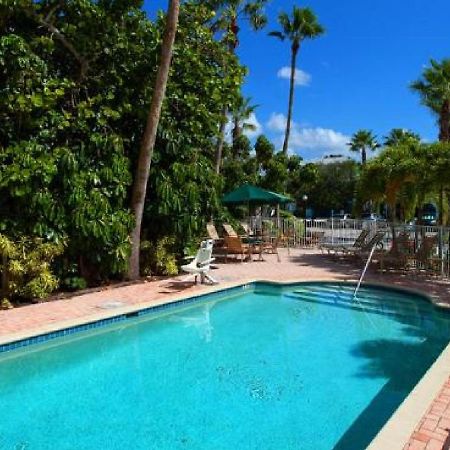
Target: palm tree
<point>229,13</point>
<point>399,136</point>
<point>241,112</point>
<point>362,141</point>
<point>302,25</point>
<point>434,90</point>
<point>149,136</point>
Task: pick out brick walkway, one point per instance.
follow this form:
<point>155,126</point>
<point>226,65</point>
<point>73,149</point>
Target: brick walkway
<point>432,433</point>
<point>300,265</point>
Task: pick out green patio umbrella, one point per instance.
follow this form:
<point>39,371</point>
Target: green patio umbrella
<point>248,194</point>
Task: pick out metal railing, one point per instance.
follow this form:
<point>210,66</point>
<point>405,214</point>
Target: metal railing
<point>310,233</point>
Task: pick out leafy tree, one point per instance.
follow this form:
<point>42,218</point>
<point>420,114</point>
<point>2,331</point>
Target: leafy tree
<point>65,172</point>
<point>228,15</point>
<point>184,190</point>
<point>149,137</point>
<point>264,150</point>
<point>275,173</point>
<point>300,26</point>
<point>362,141</point>
<point>434,91</point>
<point>405,176</point>
<point>330,186</point>
<point>68,142</point>
<point>399,136</point>
<point>239,166</point>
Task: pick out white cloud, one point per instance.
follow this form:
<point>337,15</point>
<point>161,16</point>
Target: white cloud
<point>308,141</point>
<point>277,122</point>
<point>301,78</point>
<point>318,138</point>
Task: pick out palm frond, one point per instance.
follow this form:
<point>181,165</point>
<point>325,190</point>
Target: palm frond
<point>277,34</point>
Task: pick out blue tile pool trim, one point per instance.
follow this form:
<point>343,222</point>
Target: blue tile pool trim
<point>122,317</point>
<point>252,286</point>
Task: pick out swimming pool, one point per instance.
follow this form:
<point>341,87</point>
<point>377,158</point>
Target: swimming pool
<point>263,367</point>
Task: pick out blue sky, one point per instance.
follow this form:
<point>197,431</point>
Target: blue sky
<point>355,76</point>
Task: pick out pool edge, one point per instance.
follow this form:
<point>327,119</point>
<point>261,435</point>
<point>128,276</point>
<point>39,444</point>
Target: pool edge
<point>398,430</point>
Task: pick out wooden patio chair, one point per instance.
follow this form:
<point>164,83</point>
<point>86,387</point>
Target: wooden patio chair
<point>233,245</point>
<point>212,234</point>
<point>229,230</point>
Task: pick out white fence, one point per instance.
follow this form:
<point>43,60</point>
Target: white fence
<point>312,233</point>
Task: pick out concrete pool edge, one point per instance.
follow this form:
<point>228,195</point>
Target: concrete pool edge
<point>395,433</point>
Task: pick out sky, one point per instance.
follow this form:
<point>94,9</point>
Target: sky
<point>355,76</point>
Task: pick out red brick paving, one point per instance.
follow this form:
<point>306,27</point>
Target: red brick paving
<point>430,434</point>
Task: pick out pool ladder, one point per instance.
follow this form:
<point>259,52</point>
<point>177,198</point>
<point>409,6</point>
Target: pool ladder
<point>364,272</point>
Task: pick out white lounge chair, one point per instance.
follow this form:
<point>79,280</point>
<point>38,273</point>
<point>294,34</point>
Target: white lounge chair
<point>200,265</point>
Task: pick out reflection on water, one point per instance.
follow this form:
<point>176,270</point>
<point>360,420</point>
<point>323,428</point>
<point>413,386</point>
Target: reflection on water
<point>200,318</point>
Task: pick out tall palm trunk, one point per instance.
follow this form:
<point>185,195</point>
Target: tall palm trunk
<point>295,48</point>
<point>444,122</point>
<point>363,156</point>
<point>149,137</point>
<point>444,136</point>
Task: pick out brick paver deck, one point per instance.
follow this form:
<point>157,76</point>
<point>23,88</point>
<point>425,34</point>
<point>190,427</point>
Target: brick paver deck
<point>432,431</point>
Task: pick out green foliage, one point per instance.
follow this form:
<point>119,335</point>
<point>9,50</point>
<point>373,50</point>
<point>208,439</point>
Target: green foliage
<point>434,91</point>
<point>65,124</point>
<point>184,191</point>
<point>264,150</point>
<point>73,105</point>
<point>404,176</point>
<point>301,25</point>
<point>400,136</point>
<point>158,258</point>
<point>26,265</point>
<point>330,186</point>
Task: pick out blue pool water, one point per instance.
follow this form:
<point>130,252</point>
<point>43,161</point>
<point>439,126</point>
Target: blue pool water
<point>302,367</point>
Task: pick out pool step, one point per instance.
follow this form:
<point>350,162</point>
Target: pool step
<point>391,299</point>
<point>346,300</point>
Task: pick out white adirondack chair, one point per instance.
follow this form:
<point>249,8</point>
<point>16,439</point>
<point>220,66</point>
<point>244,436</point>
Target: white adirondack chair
<point>200,265</point>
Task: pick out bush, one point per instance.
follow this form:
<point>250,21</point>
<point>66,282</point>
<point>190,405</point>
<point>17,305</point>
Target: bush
<point>158,258</point>
<point>26,267</point>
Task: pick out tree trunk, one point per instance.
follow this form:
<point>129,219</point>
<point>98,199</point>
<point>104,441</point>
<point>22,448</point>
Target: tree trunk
<point>291,99</point>
<point>219,149</point>
<point>221,140</point>
<point>444,136</point>
<point>444,122</point>
<point>236,130</point>
<point>363,156</point>
<point>149,137</point>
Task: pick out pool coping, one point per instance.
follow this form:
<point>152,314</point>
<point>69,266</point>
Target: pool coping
<point>394,434</point>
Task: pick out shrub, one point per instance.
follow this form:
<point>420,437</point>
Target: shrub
<point>158,258</point>
<point>26,267</point>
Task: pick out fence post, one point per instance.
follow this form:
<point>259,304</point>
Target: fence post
<point>441,250</point>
